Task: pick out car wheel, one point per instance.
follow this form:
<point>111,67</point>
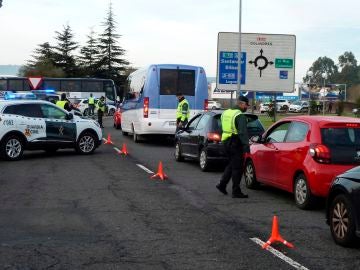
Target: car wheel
<point>86,143</point>
<point>12,148</point>
<point>303,197</point>
<point>178,156</point>
<point>86,112</point>
<point>203,160</point>
<point>111,112</point>
<point>342,221</point>
<point>250,176</point>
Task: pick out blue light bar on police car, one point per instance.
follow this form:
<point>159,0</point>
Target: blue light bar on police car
<point>17,96</point>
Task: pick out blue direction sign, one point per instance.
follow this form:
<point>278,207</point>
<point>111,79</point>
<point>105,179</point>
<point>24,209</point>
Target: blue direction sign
<point>228,67</point>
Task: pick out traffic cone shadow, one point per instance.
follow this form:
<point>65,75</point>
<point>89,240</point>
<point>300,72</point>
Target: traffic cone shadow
<point>160,173</point>
<point>108,140</point>
<point>275,236</point>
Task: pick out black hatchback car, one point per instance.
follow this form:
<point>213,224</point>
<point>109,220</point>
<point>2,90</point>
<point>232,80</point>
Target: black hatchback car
<point>201,138</point>
<point>343,208</point>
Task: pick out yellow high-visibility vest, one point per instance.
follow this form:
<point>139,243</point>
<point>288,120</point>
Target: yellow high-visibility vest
<point>228,123</point>
<point>183,114</point>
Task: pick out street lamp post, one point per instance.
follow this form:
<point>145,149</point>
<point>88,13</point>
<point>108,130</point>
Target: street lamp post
<point>324,75</point>
<point>310,74</point>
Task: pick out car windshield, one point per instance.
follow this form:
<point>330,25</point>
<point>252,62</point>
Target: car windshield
<point>344,144</point>
<point>297,103</point>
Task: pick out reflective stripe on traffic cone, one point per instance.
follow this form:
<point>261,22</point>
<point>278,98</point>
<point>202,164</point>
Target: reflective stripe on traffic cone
<point>275,235</point>
<point>160,173</point>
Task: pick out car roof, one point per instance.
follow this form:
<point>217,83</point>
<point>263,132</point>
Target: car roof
<point>4,103</point>
<point>322,120</point>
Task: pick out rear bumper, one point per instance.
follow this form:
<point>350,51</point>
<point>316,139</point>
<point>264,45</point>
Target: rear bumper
<point>216,152</point>
<point>155,126</point>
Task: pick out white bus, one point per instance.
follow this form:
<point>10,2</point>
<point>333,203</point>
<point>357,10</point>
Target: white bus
<point>150,100</point>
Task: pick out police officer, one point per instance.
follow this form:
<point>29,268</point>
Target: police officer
<point>101,110</point>
<point>64,103</point>
<point>91,103</point>
<point>236,141</point>
<point>182,112</point>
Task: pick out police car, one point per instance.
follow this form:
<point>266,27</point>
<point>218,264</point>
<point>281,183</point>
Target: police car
<point>41,125</point>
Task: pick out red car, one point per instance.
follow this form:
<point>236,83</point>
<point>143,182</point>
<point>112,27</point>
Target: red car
<point>303,154</point>
<point>117,119</point>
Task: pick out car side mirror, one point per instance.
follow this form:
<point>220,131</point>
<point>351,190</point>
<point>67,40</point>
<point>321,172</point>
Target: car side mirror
<point>256,139</point>
<point>69,116</point>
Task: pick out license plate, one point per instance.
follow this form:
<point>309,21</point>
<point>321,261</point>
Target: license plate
<point>172,123</point>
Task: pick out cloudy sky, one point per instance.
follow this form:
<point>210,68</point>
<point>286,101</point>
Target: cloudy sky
<point>183,31</point>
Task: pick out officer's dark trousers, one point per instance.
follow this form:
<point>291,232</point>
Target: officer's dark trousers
<point>234,169</point>
<point>100,118</point>
<point>91,109</point>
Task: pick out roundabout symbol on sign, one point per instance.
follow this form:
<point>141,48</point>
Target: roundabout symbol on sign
<point>266,62</point>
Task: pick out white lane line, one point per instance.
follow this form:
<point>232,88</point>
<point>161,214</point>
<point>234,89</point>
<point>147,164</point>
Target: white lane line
<point>104,139</point>
<point>280,255</point>
<point>117,149</point>
<point>144,168</point>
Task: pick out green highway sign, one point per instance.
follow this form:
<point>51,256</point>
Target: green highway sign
<point>284,63</point>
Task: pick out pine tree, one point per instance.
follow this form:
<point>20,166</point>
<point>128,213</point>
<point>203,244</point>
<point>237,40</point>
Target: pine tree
<point>110,60</point>
<point>42,63</point>
<point>89,54</point>
<point>64,52</point>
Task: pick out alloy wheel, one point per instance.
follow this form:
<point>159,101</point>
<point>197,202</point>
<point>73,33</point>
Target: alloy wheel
<point>13,148</point>
<point>86,144</point>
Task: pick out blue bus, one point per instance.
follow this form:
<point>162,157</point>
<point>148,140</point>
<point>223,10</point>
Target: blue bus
<point>150,100</point>
<point>73,87</point>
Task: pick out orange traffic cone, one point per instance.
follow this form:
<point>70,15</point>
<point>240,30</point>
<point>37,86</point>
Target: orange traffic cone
<point>160,172</point>
<point>108,140</point>
<point>124,150</point>
<point>275,235</point>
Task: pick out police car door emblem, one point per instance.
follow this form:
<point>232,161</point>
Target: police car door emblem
<point>61,130</point>
<point>27,132</point>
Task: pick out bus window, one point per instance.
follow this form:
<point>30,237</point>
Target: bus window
<point>52,84</point>
<point>17,85</point>
<point>2,85</point>
<point>168,81</point>
<point>92,86</point>
<point>186,82</point>
<point>173,81</point>
<point>71,86</point>
<point>109,91</point>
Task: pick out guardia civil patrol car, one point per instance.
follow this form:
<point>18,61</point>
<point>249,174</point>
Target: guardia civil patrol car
<point>41,125</point>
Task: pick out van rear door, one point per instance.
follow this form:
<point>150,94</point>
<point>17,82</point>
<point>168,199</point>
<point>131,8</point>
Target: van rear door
<point>174,81</point>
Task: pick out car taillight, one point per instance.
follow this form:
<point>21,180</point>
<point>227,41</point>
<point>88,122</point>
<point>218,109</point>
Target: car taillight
<point>214,137</point>
<point>146,107</point>
<point>206,104</point>
<point>320,153</point>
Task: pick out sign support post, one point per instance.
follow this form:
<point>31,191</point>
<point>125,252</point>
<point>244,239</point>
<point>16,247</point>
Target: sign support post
<point>239,51</point>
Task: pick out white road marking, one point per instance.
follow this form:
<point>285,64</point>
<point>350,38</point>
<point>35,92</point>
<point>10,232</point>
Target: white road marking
<point>117,149</point>
<point>280,255</point>
<point>144,168</point>
<point>104,139</point>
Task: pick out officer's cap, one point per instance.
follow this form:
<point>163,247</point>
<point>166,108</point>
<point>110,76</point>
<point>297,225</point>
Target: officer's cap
<point>244,99</point>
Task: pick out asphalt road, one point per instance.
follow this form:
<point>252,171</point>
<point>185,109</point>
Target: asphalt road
<point>103,211</point>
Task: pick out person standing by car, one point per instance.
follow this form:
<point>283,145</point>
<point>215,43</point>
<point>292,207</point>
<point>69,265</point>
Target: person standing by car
<point>91,103</point>
<point>236,141</point>
<point>183,111</point>
<point>101,110</point>
<point>64,103</point>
